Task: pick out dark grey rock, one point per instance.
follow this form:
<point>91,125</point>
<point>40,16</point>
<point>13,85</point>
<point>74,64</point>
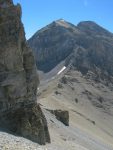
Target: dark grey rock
<point>19,111</point>
<point>28,122</point>
<point>61,115</point>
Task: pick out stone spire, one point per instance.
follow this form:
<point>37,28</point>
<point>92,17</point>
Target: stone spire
<point>19,111</point>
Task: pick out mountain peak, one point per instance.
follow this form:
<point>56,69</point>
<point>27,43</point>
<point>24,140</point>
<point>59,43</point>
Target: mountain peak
<point>60,21</point>
<point>86,23</point>
<point>92,28</point>
<point>63,23</point>
<point>58,40</point>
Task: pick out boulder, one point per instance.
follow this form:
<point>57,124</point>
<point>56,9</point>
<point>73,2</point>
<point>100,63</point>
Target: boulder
<point>61,115</point>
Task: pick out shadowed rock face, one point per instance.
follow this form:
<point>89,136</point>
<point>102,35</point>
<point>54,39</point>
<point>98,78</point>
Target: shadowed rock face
<point>62,116</point>
<point>19,111</point>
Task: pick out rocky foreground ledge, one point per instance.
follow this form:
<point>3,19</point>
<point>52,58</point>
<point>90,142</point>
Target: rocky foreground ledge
<point>19,112</point>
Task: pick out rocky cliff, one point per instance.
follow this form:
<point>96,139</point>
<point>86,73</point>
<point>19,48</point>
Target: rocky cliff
<point>19,112</point>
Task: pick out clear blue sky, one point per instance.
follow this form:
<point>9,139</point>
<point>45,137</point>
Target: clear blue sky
<point>39,13</point>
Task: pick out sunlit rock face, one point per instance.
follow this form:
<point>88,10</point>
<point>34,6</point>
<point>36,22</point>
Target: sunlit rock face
<point>86,47</point>
<point>19,111</point>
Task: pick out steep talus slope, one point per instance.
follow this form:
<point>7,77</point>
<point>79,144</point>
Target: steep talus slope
<point>90,107</point>
<point>19,111</point>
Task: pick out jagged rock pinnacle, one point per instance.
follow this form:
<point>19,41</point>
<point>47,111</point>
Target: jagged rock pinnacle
<point>19,111</point>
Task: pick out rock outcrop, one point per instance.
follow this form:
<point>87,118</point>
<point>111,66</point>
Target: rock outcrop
<point>62,116</point>
<point>19,111</point>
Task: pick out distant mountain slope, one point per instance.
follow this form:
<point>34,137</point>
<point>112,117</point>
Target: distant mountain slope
<point>86,46</point>
<point>93,29</point>
<point>53,44</point>
<point>76,74</point>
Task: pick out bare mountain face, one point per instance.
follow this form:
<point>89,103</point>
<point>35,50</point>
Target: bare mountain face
<point>76,94</point>
<point>19,112</point>
<point>87,47</point>
<point>76,63</point>
<point>53,44</point>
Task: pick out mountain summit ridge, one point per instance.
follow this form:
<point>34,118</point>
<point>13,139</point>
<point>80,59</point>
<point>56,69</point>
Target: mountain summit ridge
<point>59,41</point>
<point>94,28</point>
